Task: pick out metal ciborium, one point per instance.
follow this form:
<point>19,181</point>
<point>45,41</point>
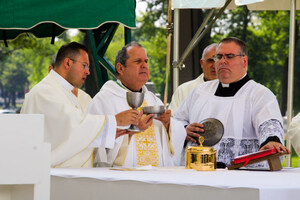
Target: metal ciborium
<point>134,100</point>
<point>200,158</point>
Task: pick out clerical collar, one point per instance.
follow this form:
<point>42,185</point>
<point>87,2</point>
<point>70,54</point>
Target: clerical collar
<point>229,90</point>
<point>125,87</point>
<point>141,90</point>
<point>64,83</point>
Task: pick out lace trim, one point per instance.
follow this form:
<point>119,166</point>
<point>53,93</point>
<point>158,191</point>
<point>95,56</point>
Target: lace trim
<point>229,148</point>
<point>269,128</point>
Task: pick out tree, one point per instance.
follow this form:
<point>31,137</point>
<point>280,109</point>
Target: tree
<point>153,20</point>
<point>14,78</point>
<point>25,62</point>
<point>156,50</point>
<point>152,34</point>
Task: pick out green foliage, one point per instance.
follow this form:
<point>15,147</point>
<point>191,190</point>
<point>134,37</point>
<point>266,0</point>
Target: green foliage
<point>116,44</point>
<point>156,49</point>
<point>294,158</point>
<point>14,76</point>
<point>153,19</point>
<point>152,34</point>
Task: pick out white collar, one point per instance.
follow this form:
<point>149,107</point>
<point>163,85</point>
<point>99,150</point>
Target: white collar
<point>64,83</point>
<point>225,85</point>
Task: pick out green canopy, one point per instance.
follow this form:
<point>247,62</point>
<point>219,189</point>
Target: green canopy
<point>49,18</point>
<point>99,19</point>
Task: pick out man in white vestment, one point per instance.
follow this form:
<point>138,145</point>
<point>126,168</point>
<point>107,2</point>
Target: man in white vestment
<point>72,133</point>
<point>294,134</point>
<point>83,98</point>
<point>248,110</point>
<point>207,64</point>
<point>154,145</point>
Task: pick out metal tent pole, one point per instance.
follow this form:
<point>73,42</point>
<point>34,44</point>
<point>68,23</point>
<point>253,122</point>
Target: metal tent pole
<point>176,48</point>
<point>200,34</point>
<point>170,29</point>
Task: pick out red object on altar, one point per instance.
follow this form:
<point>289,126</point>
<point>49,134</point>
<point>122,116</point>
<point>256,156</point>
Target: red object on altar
<point>246,158</point>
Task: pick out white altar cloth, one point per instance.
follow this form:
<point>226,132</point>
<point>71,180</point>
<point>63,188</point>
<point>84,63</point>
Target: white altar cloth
<point>175,183</point>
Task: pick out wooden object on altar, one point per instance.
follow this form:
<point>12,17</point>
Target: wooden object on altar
<point>271,155</point>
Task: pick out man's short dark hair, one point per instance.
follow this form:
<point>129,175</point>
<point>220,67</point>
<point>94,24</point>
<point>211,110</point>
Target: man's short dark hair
<point>71,50</point>
<point>122,55</point>
<point>240,43</point>
<point>53,60</point>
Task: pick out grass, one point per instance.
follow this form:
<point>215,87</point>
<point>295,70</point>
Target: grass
<point>295,162</point>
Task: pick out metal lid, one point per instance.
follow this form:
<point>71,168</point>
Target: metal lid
<point>199,149</point>
<point>213,131</point>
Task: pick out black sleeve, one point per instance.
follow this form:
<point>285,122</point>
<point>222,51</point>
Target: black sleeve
<point>270,139</point>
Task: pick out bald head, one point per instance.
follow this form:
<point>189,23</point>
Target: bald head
<point>207,62</point>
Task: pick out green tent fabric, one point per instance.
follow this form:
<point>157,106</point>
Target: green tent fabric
<point>49,18</point>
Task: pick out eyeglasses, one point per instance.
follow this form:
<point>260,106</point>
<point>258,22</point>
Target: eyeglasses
<point>228,56</point>
<point>85,65</point>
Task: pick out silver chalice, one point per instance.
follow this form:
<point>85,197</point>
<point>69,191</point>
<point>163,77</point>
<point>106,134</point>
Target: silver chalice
<point>134,100</point>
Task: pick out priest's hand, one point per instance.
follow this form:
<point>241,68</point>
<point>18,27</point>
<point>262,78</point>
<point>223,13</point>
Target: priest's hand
<point>192,131</point>
<point>121,132</point>
<point>145,122</point>
<point>279,147</point>
<point>128,117</point>
<point>165,118</point>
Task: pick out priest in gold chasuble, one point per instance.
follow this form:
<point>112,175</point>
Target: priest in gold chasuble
<point>155,145</point>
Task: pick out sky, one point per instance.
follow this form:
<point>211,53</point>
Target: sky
<point>140,7</point>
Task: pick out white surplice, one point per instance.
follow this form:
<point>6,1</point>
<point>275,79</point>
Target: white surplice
<point>241,116</point>
<point>71,132</point>
<point>111,99</point>
<point>183,91</point>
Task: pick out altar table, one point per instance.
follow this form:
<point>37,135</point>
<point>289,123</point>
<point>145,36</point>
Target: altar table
<point>174,183</point>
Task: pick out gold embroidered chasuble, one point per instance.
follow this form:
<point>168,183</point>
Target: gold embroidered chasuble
<point>146,146</point>
<point>126,149</point>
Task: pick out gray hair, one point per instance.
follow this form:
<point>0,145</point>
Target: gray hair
<point>122,55</point>
<point>206,49</point>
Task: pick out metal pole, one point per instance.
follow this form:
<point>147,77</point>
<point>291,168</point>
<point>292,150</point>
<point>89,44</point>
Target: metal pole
<point>176,48</point>
<point>197,39</point>
<point>170,32</point>
<point>291,75</point>
<point>193,42</point>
